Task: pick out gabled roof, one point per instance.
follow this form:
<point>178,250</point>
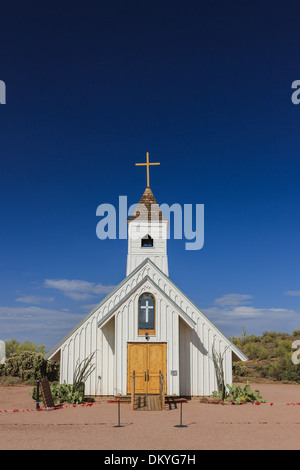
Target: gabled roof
<point>240,355</point>
<point>103,301</point>
<point>111,313</point>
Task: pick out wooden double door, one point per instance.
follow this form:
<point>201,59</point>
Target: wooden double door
<point>146,359</point>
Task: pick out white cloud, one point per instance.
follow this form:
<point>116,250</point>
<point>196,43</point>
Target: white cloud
<point>40,325</point>
<point>243,312</point>
<point>232,299</point>
<point>230,314</point>
<point>34,299</point>
<point>78,289</point>
<point>295,293</point>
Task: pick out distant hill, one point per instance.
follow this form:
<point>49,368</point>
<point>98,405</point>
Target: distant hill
<point>270,357</point>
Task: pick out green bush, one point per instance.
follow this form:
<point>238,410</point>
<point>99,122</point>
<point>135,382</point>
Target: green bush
<point>239,369</point>
<point>66,393</point>
<point>30,366</point>
<point>282,334</point>
<point>283,369</point>
<point>296,332</point>
<point>240,394</point>
<point>253,339</point>
<point>268,338</point>
<point>243,393</point>
<point>255,351</point>
<point>272,334</point>
<point>263,371</point>
<point>284,347</point>
<point>73,393</point>
<point>12,366</point>
<point>237,341</point>
<point>14,347</point>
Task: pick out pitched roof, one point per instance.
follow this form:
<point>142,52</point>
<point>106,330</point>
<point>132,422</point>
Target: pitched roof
<point>147,208</point>
<point>181,313</point>
<point>239,354</point>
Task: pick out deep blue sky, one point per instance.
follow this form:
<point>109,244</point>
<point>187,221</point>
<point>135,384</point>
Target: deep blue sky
<point>205,88</point>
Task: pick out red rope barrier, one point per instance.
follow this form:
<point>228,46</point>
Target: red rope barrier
<point>15,410</point>
<point>183,400</point>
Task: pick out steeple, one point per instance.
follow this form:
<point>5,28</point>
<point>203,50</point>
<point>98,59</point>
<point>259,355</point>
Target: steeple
<point>147,208</point>
<point>147,232</point>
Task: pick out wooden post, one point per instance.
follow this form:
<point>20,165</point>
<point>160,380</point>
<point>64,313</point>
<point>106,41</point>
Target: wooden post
<point>133,390</point>
<point>161,390</point>
<point>119,425</point>
<point>37,405</point>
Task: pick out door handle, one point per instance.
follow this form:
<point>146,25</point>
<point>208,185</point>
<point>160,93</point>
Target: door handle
<point>148,375</point>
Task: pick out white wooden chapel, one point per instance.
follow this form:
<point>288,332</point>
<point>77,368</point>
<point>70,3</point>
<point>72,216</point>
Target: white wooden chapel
<point>146,324</point>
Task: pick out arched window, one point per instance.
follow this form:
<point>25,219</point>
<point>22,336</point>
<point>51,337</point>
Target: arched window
<point>147,314</point>
<point>147,241</point>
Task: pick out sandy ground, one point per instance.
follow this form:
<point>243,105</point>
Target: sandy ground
<point>208,426</point>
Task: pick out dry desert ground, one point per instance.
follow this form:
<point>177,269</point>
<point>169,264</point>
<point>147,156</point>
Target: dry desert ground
<point>272,425</point>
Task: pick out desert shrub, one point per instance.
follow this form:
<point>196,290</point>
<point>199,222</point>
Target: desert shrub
<point>30,366</point>
<point>33,366</point>
<point>253,339</point>
<point>12,365</point>
<point>243,393</point>
<point>296,332</point>
<point>66,393</point>
<point>237,341</point>
<point>284,347</point>
<point>14,347</point>
<point>282,334</point>
<point>239,369</point>
<point>291,374</point>
<point>269,337</point>
<point>72,393</point>
<point>255,351</point>
<point>271,334</point>
<point>239,394</point>
<point>283,369</point>
<point>61,393</point>
<point>263,371</point>
<point>52,370</point>
<point>218,360</point>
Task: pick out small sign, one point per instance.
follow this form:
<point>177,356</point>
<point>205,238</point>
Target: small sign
<point>173,372</point>
<point>2,352</point>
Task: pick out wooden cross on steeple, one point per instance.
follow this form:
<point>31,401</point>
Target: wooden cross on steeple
<point>147,164</point>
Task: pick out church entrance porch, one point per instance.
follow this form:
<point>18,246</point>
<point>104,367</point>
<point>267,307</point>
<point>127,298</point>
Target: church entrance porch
<point>146,360</point>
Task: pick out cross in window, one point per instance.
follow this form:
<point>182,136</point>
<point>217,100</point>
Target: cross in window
<point>147,306</point>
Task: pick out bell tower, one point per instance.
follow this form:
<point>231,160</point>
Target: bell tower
<point>147,231</point>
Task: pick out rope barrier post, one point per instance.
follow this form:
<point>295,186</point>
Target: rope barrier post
<point>37,405</point>
<point>181,425</point>
<point>181,413</point>
<point>119,419</point>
